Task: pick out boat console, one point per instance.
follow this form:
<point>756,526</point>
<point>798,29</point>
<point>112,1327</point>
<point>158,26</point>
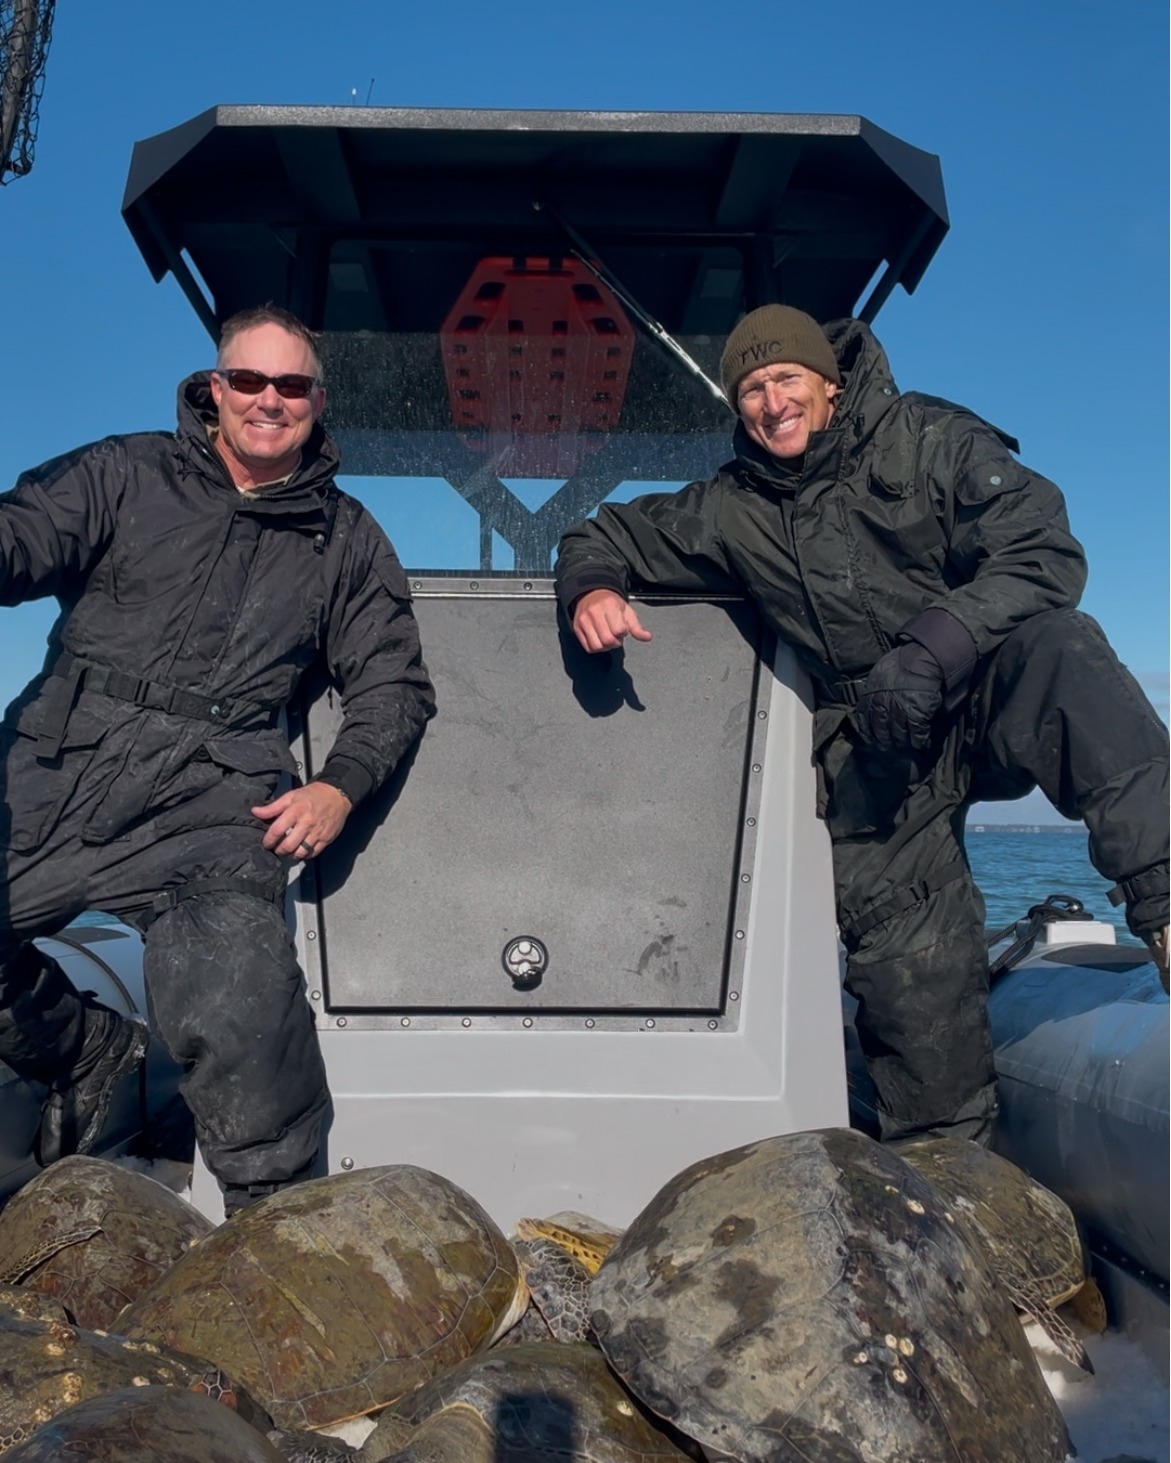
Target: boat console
<point>586,936</point>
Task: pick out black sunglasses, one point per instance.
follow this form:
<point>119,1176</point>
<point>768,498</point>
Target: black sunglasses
<point>292,386</point>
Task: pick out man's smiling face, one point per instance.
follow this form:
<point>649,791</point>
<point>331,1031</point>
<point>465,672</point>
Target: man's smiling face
<point>261,437</point>
<point>781,405</point>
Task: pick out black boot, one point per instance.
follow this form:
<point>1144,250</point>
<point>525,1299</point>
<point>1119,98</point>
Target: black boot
<point>42,1016</point>
<point>240,1196</point>
<point>79,1099</point>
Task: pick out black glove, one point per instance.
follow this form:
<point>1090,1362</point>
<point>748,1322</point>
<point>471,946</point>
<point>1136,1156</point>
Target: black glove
<point>900,699</point>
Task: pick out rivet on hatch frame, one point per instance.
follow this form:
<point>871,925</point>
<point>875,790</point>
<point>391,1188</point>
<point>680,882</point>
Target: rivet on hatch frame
<point>527,1022</point>
<point>475,584</point>
<point>315,995</point>
<point>756,767</point>
<point>466,1021</point>
<point>341,1021</point>
<point>746,878</point>
<point>739,934</point>
<point>528,584</point>
<point>650,1023</point>
<point>762,716</point>
<point>311,934</point>
<point>713,1026</point>
<point>590,1024</point>
<point>751,822</point>
<point>405,1021</point>
<point>733,995</point>
<point>347,1164</point>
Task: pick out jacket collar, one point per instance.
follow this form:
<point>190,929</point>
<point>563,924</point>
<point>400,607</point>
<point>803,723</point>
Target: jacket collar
<point>320,459</point>
<point>868,387</point>
<point>868,393</point>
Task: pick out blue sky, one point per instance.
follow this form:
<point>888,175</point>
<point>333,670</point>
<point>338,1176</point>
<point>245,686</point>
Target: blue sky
<point>1038,310</point>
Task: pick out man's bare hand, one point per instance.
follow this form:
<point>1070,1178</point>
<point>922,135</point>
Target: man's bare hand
<point>304,821</point>
<point>602,619</point>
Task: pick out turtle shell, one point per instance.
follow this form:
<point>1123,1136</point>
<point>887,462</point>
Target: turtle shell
<point>19,1302</point>
<point>807,1299</point>
<point>516,1406</point>
<point>94,1235</point>
<point>149,1424</point>
<point>1030,1232</point>
<point>332,1298</point>
<point>48,1365</point>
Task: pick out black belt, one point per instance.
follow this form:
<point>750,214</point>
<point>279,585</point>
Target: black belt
<point>76,674</point>
<point>1145,885</point>
<point>194,888</point>
<point>905,899</point>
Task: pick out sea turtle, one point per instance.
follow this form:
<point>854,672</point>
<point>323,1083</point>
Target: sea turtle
<point>525,1405</point>
<point>149,1424</point>
<point>588,1240</point>
<point>806,1299</point>
<point>558,1257</point>
<point>94,1235</point>
<point>559,1287</point>
<point>30,1305</point>
<point>1031,1235</point>
<point>332,1298</point>
<point>47,1365</point>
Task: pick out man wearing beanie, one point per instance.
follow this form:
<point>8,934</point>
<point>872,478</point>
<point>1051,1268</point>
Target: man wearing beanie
<point>926,580</point>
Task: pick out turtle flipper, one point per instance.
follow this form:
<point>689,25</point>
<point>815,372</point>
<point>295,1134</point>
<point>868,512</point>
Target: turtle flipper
<point>17,1270</point>
<point>300,1446</point>
<point>1027,1297</point>
<point>1088,1305</point>
<point>559,1285</point>
<point>455,1434</point>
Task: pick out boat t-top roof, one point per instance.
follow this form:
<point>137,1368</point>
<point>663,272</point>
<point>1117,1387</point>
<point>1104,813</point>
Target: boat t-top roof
<point>372,218</point>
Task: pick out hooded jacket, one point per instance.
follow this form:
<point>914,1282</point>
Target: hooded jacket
<point>907,515</point>
<point>166,572</point>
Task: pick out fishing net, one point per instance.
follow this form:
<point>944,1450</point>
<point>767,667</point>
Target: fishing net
<point>25,28</point>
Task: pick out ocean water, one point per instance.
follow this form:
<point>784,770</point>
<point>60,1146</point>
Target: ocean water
<point>1018,866</point>
<point>1015,867</point>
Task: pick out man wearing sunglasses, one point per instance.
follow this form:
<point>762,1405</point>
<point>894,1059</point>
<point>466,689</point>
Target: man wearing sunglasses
<point>200,574</point>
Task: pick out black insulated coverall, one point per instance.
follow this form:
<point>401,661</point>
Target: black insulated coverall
<point>907,504</point>
<point>189,612</point>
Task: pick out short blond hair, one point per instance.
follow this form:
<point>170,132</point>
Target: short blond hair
<point>268,314</point>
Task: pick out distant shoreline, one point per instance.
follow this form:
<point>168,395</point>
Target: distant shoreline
<point>1025,828</point>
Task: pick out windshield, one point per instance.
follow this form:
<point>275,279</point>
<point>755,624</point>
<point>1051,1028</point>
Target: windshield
<point>478,444</point>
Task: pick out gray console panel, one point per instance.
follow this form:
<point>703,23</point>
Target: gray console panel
<point>535,1111</point>
<point>602,808</point>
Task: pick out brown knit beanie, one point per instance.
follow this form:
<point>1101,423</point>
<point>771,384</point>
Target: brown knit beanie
<point>772,334</point>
